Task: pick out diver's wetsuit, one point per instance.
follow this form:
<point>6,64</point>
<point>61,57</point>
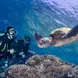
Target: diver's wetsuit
<point>72,32</point>
<point>5,44</point>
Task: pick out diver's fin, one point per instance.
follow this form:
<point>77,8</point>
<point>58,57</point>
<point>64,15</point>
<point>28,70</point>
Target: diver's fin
<point>71,33</point>
<point>37,36</point>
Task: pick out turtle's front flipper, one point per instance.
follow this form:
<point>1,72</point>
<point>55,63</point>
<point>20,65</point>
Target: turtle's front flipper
<point>71,33</point>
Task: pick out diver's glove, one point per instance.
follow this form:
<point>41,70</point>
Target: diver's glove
<point>11,51</point>
<point>22,54</point>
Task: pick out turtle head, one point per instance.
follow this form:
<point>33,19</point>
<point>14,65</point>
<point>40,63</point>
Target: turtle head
<point>43,42</point>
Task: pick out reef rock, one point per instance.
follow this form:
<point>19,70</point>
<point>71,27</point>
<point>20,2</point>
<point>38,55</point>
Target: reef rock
<point>46,66</point>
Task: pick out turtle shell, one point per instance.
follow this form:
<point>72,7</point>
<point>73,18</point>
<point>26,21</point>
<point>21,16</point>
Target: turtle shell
<point>59,33</point>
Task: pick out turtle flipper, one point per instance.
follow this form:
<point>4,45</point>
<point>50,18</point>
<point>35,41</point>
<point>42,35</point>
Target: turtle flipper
<point>71,33</point>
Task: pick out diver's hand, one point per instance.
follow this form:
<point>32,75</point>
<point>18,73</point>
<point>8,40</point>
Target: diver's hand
<point>22,54</point>
<point>12,51</point>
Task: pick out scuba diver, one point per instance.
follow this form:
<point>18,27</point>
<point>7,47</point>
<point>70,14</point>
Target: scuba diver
<point>26,47</point>
<point>22,47</point>
<point>26,42</point>
<point>12,48</point>
<point>6,40</point>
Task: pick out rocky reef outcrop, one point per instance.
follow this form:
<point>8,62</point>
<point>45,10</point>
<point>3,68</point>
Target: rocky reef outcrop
<point>46,66</point>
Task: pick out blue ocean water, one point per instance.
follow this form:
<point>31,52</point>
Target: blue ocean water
<point>41,16</point>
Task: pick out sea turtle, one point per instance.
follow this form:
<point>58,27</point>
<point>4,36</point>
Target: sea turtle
<point>58,37</point>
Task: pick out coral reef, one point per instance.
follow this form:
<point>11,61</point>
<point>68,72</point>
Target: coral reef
<point>46,66</point>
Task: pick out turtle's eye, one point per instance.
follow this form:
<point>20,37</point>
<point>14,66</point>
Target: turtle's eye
<point>42,41</point>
